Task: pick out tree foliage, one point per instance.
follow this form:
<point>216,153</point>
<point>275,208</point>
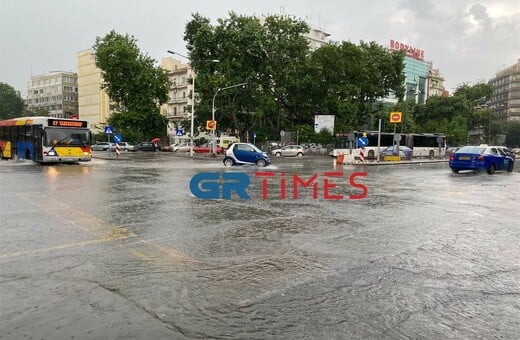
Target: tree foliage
<point>135,84</point>
<point>456,115</point>
<point>11,104</point>
<point>287,83</point>
<point>512,132</point>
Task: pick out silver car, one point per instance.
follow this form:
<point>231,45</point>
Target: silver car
<point>124,146</point>
<point>289,151</point>
<point>103,146</point>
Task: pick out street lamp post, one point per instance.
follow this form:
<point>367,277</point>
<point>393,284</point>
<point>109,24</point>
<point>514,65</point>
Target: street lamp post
<point>213,146</point>
<point>192,96</point>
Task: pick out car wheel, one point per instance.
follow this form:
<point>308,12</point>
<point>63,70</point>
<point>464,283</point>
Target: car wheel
<point>300,155</point>
<point>261,163</point>
<point>455,171</point>
<point>431,154</point>
<point>277,154</point>
<point>510,167</point>
<point>229,161</point>
<point>491,169</point>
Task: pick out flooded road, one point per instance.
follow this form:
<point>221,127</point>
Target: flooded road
<point>122,249</point>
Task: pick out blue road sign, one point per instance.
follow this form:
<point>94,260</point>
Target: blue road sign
<point>118,138</point>
<point>109,130</point>
<point>179,132</point>
<point>362,141</point>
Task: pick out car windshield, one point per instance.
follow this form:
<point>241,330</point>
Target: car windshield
<point>471,149</point>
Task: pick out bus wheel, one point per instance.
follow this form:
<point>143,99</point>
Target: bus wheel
<point>28,154</point>
<point>371,154</point>
<point>431,154</point>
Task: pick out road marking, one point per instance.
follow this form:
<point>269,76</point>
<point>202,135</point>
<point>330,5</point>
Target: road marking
<point>115,237</point>
<point>105,232</point>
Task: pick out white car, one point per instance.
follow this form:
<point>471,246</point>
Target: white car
<point>289,150</point>
<point>179,148</point>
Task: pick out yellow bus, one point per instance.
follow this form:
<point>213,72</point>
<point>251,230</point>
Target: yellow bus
<point>45,139</point>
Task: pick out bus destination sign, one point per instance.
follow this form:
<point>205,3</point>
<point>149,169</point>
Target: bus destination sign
<point>68,123</point>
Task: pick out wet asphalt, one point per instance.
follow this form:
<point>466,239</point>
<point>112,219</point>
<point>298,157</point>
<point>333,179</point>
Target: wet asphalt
<point>122,249</point>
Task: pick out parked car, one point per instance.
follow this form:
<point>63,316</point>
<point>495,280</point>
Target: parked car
<point>245,153</point>
<point>479,158</point>
<point>207,148</point>
<point>404,152</point>
<point>177,148</point>
<point>516,152</point>
<point>124,146</point>
<point>288,151</point>
<point>451,150</point>
<point>507,151</point>
<point>147,146</point>
<point>103,146</point>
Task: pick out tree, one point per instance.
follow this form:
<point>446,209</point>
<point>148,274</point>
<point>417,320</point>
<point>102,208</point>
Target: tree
<point>347,80</point>
<point>512,131</point>
<point>135,84</point>
<point>11,104</point>
<point>269,56</point>
<point>287,83</point>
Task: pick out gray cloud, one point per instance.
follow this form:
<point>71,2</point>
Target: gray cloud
<point>480,14</point>
<point>39,36</point>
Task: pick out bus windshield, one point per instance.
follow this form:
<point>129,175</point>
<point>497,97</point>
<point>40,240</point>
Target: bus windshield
<point>66,137</point>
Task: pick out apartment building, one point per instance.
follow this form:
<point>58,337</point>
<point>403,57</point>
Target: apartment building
<point>93,101</point>
<point>180,94</point>
<point>505,102</point>
<point>55,92</point>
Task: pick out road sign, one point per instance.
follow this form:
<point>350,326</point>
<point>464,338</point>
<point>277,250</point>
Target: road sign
<point>109,130</point>
<point>118,138</point>
<point>211,124</point>
<point>362,141</point>
<point>397,138</point>
<point>282,133</point>
<point>395,117</point>
<point>179,132</point>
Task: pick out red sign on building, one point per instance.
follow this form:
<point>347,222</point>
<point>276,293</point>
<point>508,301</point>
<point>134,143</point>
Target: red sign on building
<point>410,50</point>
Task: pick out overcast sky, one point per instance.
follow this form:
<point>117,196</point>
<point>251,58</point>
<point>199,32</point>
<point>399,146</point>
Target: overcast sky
<point>467,40</point>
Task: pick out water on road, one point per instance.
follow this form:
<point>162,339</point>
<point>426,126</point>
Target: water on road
<point>123,249</point>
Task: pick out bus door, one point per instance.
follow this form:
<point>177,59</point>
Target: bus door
<point>37,136</point>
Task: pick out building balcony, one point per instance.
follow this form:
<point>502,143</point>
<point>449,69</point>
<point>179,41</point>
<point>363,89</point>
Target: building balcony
<point>178,116</point>
<point>178,100</point>
<point>179,85</point>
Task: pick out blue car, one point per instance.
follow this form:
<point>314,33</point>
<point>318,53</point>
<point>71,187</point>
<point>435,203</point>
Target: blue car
<point>245,153</point>
<point>481,158</point>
